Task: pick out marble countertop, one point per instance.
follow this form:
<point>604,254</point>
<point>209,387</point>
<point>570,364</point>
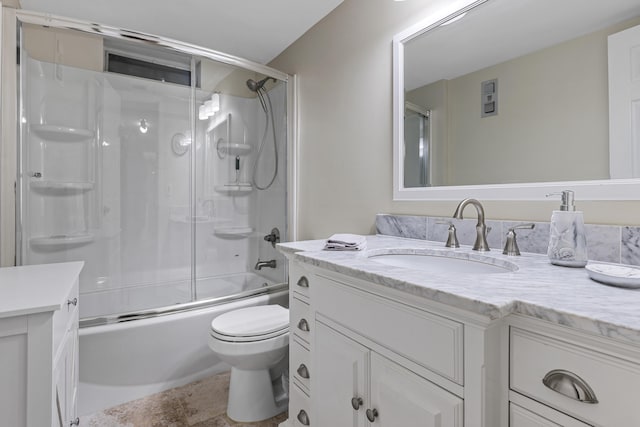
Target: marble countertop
<point>565,296</point>
<point>33,289</point>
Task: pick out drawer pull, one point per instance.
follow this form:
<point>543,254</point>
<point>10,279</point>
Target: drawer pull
<point>75,422</point>
<point>303,325</point>
<point>303,417</point>
<point>372,414</point>
<point>303,282</point>
<point>356,402</point>
<point>303,371</point>
<point>72,302</point>
<point>570,385</point>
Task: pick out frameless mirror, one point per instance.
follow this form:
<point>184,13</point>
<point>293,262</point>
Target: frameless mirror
<point>521,97</point>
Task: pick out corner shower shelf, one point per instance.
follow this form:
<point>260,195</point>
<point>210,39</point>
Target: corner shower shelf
<point>62,133</point>
<point>62,187</point>
<point>233,149</point>
<point>234,188</point>
<point>62,240</point>
<point>233,232</point>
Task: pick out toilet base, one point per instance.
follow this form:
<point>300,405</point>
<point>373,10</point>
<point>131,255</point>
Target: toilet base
<point>251,396</point>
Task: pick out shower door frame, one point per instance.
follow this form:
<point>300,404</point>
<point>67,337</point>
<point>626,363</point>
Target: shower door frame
<point>10,242</point>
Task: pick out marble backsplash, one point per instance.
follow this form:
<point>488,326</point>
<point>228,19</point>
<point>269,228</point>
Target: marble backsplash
<point>607,243</point>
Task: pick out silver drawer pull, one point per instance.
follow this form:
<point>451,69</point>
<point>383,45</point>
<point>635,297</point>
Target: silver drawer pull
<point>303,325</point>
<point>303,417</point>
<point>303,282</point>
<point>356,403</point>
<point>570,385</point>
<point>303,371</point>
<point>72,302</point>
<point>372,414</point>
<point>75,422</point>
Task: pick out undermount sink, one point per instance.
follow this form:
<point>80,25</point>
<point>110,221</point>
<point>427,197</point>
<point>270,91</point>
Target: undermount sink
<point>444,262</point>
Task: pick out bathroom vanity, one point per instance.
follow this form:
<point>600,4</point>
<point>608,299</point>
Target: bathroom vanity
<point>39,344</point>
<point>373,343</point>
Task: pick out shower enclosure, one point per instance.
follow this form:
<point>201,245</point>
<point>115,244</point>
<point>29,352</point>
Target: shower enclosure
<point>154,161</point>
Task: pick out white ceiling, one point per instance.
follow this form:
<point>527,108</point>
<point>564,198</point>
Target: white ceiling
<point>258,30</point>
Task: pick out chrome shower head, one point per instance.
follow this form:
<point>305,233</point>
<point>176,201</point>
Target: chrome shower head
<point>257,85</point>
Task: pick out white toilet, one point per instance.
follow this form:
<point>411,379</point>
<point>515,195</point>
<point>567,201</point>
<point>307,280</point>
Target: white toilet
<point>255,342</point>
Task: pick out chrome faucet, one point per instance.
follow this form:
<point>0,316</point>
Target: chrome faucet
<point>262,264</point>
<point>481,229</point>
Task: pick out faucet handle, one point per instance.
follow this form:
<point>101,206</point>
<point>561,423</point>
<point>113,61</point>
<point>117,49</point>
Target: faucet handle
<point>452,238</point>
<point>511,245</point>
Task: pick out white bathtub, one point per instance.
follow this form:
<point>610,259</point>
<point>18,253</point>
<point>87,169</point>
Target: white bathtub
<point>129,360</point>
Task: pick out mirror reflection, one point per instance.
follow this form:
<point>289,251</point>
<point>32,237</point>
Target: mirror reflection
<point>521,91</point>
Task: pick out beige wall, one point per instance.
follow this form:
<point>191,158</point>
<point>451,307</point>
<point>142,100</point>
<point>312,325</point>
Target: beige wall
<point>345,109</point>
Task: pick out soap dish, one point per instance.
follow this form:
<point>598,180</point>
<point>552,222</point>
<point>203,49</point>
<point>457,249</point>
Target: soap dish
<point>615,274</point>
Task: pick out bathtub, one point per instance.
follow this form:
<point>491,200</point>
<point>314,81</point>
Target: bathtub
<point>125,361</point>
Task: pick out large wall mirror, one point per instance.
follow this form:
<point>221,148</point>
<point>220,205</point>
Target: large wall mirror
<point>519,98</point>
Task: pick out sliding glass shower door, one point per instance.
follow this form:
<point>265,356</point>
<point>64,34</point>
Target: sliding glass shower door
<point>143,162</point>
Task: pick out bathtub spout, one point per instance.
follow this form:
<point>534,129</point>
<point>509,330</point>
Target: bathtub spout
<point>262,264</point>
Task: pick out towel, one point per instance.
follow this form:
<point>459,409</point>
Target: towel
<point>346,242</point>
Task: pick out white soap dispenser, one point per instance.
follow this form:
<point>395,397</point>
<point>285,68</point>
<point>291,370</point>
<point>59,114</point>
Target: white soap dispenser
<point>567,240</point>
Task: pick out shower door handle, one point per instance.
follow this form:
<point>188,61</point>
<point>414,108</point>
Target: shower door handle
<point>303,325</point>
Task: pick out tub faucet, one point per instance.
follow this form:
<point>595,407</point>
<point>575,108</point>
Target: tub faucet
<point>481,229</point>
<point>262,264</point>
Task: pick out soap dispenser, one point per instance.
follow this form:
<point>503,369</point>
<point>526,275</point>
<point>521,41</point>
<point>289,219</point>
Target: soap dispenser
<point>567,242</point>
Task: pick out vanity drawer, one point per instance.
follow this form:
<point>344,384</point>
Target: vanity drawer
<point>300,366</point>
<point>568,367</point>
<point>299,280</point>
<point>521,417</point>
<point>430,340</point>
<point>63,317</point>
<point>299,408</point>
<point>301,323</point>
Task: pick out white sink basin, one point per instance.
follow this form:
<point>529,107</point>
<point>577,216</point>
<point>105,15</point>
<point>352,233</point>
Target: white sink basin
<point>445,262</point>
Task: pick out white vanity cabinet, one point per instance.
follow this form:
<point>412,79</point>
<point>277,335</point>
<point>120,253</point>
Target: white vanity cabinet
<point>371,356</point>
<point>570,378</point>
<point>39,345</point>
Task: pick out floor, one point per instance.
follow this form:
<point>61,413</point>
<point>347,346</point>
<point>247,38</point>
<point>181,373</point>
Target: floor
<point>199,404</point>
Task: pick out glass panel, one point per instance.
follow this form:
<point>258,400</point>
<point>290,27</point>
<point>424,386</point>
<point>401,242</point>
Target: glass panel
<point>101,181</point>
<point>237,204</point>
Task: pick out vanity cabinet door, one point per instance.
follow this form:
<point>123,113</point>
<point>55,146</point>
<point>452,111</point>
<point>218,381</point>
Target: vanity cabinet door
<point>403,398</point>
<point>341,366</point>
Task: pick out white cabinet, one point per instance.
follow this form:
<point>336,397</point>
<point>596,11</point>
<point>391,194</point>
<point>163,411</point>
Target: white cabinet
<point>558,372</point>
<point>39,345</point>
<point>361,358</point>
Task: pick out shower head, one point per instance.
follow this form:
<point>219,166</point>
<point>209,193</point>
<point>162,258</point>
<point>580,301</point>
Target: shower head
<point>257,85</point>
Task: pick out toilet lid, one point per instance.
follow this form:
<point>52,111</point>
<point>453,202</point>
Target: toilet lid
<point>252,321</point>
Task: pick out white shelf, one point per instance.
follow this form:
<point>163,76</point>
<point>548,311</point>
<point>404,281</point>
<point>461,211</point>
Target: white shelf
<point>62,187</point>
<point>233,149</point>
<point>234,188</point>
<point>233,232</point>
<point>62,133</point>
<point>62,240</point>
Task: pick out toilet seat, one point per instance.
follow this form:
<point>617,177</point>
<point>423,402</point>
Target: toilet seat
<point>251,324</point>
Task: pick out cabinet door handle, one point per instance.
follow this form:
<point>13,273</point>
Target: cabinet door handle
<point>75,422</point>
<point>303,325</point>
<point>570,385</point>
<point>356,403</point>
<point>303,282</point>
<point>372,414</point>
<point>303,371</point>
<point>303,417</point>
<point>72,302</point>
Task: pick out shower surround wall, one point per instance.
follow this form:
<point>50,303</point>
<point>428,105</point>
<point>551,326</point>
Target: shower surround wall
<point>112,190</point>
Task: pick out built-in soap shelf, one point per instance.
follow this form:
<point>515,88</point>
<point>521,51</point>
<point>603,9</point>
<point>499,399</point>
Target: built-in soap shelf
<point>242,188</point>
<point>62,240</point>
<point>62,133</point>
<point>233,149</point>
<point>233,232</point>
<point>61,186</point>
